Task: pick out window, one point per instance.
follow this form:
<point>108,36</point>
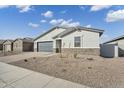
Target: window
<point>77,42</point>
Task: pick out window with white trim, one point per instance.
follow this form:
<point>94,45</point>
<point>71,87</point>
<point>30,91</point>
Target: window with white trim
<point>77,41</point>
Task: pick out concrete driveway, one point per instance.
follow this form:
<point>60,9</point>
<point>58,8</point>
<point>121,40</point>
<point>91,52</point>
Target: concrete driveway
<point>16,77</point>
<point>25,55</point>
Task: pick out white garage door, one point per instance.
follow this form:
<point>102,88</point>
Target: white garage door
<point>45,46</point>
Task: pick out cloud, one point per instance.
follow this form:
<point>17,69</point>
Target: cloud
<point>62,22</point>
<point>113,16</point>
<point>43,21</point>
<point>99,7</point>
<point>81,7</point>
<point>24,8</point>
<point>4,6</point>
<point>88,26</point>
<point>33,25</point>
<point>47,14</point>
<point>56,21</point>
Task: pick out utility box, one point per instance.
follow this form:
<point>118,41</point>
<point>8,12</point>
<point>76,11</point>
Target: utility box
<point>109,50</point>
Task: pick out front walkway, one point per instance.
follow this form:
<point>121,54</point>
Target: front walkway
<point>16,77</point>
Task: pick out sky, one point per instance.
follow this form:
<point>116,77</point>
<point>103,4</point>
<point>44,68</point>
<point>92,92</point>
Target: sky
<point>32,20</point>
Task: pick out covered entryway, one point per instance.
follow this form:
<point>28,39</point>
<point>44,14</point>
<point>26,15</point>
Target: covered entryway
<point>58,46</point>
<point>46,46</point>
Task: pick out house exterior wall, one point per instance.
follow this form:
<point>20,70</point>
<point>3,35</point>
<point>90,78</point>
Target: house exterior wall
<point>89,43</point>
<point>82,51</point>
<point>88,39</point>
<point>18,46</point>
<point>28,46</point>
<point>7,46</point>
<point>48,37</point>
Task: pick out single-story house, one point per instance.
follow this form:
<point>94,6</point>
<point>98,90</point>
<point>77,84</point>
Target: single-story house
<point>8,45</point>
<point>1,45</point>
<point>119,41</point>
<point>23,45</point>
<point>69,40</point>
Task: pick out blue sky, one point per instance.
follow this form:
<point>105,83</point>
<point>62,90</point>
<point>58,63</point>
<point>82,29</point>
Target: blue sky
<point>30,21</point>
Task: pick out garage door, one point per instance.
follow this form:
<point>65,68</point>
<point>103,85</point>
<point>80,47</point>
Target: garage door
<point>45,46</point>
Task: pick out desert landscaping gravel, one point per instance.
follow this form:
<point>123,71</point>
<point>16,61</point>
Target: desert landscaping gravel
<point>92,71</point>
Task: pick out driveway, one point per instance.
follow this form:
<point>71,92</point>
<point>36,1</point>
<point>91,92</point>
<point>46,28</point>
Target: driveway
<point>16,77</point>
<point>25,55</point>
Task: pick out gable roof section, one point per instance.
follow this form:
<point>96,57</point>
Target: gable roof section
<point>49,31</point>
<point>25,39</point>
<point>8,40</point>
<point>1,41</point>
<point>115,39</point>
<point>72,29</point>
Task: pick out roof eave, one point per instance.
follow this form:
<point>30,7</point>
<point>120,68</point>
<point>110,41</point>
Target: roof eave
<point>55,27</point>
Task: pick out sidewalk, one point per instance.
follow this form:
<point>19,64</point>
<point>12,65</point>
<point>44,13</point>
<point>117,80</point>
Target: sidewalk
<point>16,77</point>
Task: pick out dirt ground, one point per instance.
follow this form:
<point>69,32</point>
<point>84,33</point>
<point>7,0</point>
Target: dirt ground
<point>91,71</point>
<point>7,54</point>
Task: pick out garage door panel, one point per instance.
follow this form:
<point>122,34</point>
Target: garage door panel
<point>45,46</point>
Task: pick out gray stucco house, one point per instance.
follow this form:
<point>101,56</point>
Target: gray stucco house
<point>1,45</point>
<point>23,45</point>
<point>69,40</point>
<point>8,45</point>
<point>119,41</point>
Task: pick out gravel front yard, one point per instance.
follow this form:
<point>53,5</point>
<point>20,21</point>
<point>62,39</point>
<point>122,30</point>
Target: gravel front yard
<point>92,71</point>
<point>7,53</point>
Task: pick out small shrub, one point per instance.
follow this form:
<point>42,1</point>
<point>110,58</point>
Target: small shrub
<point>89,67</point>
<point>26,60</point>
<point>34,57</point>
<point>64,70</point>
<point>75,55</point>
<point>90,59</point>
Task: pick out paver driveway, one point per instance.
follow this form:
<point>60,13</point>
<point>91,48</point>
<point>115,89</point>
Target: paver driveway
<point>16,77</point>
<point>25,55</point>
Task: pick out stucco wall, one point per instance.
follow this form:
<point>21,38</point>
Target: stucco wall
<point>48,37</point>
<point>7,46</point>
<point>17,46</point>
<point>88,39</point>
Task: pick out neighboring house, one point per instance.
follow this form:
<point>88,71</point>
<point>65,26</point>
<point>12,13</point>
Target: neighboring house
<point>119,41</point>
<point>23,45</point>
<point>69,40</point>
<point>7,45</point>
<point>1,45</point>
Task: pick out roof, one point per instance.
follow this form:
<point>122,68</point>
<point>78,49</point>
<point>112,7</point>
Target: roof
<point>1,41</point>
<point>8,40</point>
<point>49,31</point>
<point>115,39</point>
<point>72,29</point>
<point>27,39</point>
